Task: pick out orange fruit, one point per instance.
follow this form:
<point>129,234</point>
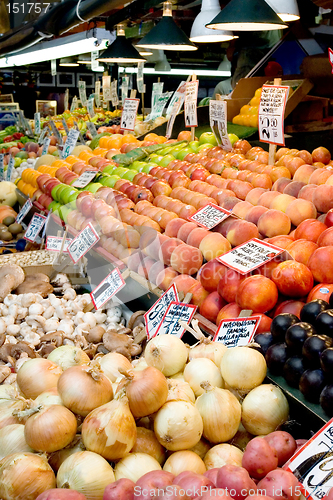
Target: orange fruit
<point>257,93</point>
<point>114,142</point>
<point>152,137</point>
<point>128,139</point>
<point>100,152</point>
<point>245,109</point>
<point>253,121</point>
<point>255,101</point>
<point>71,159</point>
<point>184,135</point>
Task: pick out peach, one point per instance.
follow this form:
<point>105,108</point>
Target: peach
<point>293,188</point>
<point>223,227</point>
<point>262,180</point>
<point>230,311</point>
<point>173,227</point>
<point>210,274</point>
<point>281,202</point>
<point>241,231</point>
<point>154,271</point>
<point>196,236</point>
<point>146,238</point>
<point>266,199</point>
<point>323,198</point>
<point>293,278</point>
<point>281,241</point>
<point>281,184</point>
<point>257,293</point>
<point>315,175</point>
<point>242,208</point>
<point>186,211</point>
<point>321,154</point>
<point>268,268</point>
<point>304,173</point>
<point>321,264</point>
<point>264,323</point>
<point>329,181</point>
<point>326,238</point>
<point>153,249</point>
<point>293,164</point>
<point>199,294</point>
<point>213,245</point>
<point>145,266</point>
<point>222,195</point>
<point>185,230</point>
<point>310,229</point>
<point>165,277</point>
<point>240,188</point>
<point>306,193</point>
<point>254,195</point>
<point>183,282</point>
<point>228,285</point>
<point>166,249</point>
<point>300,210</point>
<point>301,250</point>
<point>324,177</point>
<point>230,202</point>
<point>211,306</point>
<point>274,223</point>
<point>290,306</point>
<point>186,259</point>
<point>278,172</point>
<point>320,291</point>
<point>254,213</point>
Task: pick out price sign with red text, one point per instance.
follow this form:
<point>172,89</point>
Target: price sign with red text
<point>190,106</point>
<point>53,244</point>
<point>237,332</point>
<point>249,256</point>
<point>170,323</point>
<point>154,316</point>
<point>24,211</point>
<point>84,179</point>
<point>128,116</point>
<point>312,464</point>
<point>83,242</point>
<point>330,56</point>
<point>107,288</point>
<point>34,228</point>
<point>273,101</point>
<point>209,216</point>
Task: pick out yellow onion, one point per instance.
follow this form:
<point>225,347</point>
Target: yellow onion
<point>184,460</point>
<point>201,448</point>
<point>139,364</point>
<point>58,457</point>
<point>87,473</point>
<point>264,409</point>
<point>243,368</point>
<point>146,442</point>
<point>220,412</point>
<point>8,392</point>
<point>147,391</point>
<point>179,390</point>
<point>223,454</point>
<point>84,388</point>
<point>9,412</point>
<point>50,397</point>
<point>110,430</point>
<point>24,476</point>
<point>66,356</point>
<point>178,376</point>
<point>110,364</point>
<point>202,370</point>
<point>50,428</point>
<point>167,353</point>
<point>208,349</point>
<point>241,438</point>
<point>36,376</point>
<point>12,440</point>
<point>178,425</point>
<point>135,465</point>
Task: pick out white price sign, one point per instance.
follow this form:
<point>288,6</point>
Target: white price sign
<point>272,106</point>
<point>56,132</point>
<point>42,135</point>
<point>70,142</point>
<point>128,115</point>
<point>114,93</point>
<point>218,123</point>
<point>106,81</point>
<point>2,158</point>
<point>90,106</point>
<point>210,216</point>
<point>83,242</point>
<point>98,93</point>
<point>37,123</point>
<point>190,107</point>
<point>312,464</point>
<point>154,316</point>
<point>84,179</point>
<point>249,256</point>
<point>124,88</point>
<point>53,67</point>
<point>24,211</point>
<point>64,124</point>
<point>53,244</point>
<point>107,288</point>
<point>34,228</point>
<point>82,92</point>
<point>178,94</point>
<point>175,110</point>
<point>66,100</point>
<point>10,168</point>
<point>139,80</point>
<point>170,323</point>
<point>237,332</point>
<point>92,129</point>
<point>93,59</point>
<point>159,105</point>
<point>74,103</point>
<point>46,144</point>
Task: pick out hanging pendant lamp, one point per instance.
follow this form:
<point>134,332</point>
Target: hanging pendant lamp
<point>247,15</point>
<point>199,33</point>
<point>121,50</point>
<point>166,35</point>
<point>287,10</point>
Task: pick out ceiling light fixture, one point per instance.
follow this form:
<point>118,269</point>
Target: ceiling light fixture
<point>69,62</point>
<point>287,10</point>
<point>84,59</point>
<point>247,15</point>
<point>121,50</point>
<point>179,72</point>
<point>166,35</point>
<point>199,33</point>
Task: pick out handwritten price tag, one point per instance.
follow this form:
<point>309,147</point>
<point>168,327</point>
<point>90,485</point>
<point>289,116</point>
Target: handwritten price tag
<point>74,103</point>
<point>70,142</point>
<point>107,288</point>
<point>56,133</point>
<point>273,100</point>
<point>250,255</point>
<point>34,228</point>
<point>83,242</point>
<point>53,244</point>
<point>210,216</point>
<point>190,106</point>
<point>218,123</point>
<point>92,129</point>
<point>128,116</point>
<point>46,144</point>
<point>312,464</point>
<point>2,158</point>
<point>84,179</point>
<point>24,211</point>
<point>37,123</point>
<point>237,332</point>
<point>10,168</point>
<point>64,124</point>
<point>154,316</point>
<point>66,99</point>
<point>90,106</point>
<point>82,92</point>
<point>42,135</point>
<point>175,110</point>
<point>170,323</point>
<point>113,94</point>
<point>98,93</point>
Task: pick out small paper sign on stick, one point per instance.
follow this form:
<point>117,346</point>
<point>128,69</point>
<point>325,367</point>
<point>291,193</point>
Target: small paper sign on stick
<point>190,106</point>
<point>84,179</point>
<point>53,244</point>
<point>107,288</point>
<point>2,159</point>
<point>34,228</point>
<point>237,332</point>
<point>83,242</point>
<point>218,122</point>
<point>170,323</point>
<point>10,168</point>
<point>82,92</point>
<point>154,316</point>
<point>24,211</point>
<point>128,115</point>
<point>210,216</point>
<point>330,56</point>
<point>271,114</point>
<point>37,123</point>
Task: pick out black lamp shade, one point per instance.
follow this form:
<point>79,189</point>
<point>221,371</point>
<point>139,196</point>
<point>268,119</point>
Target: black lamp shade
<point>121,50</point>
<point>166,36</point>
<point>247,15</point>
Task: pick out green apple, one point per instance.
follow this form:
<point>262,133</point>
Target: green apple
<point>61,187</point>
<point>155,158</point>
<point>152,156</point>
<point>208,138</point>
<point>17,162</point>
<point>55,153</point>
<point>55,191</point>
<point>136,165</point>
<point>233,138</point>
<point>110,181</point>
<point>109,169</point>
<point>166,151</point>
<point>93,187</point>
<point>63,213</point>
<point>54,206</point>
<point>194,145</point>
<point>120,171</point>
<point>205,146</point>
<point>165,160</point>
<point>129,175</point>
<point>147,167</point>
<point>66,194</point>
<point>181,155</point>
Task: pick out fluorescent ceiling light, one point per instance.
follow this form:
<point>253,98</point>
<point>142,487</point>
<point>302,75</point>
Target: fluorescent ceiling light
<point>180,71</point>
<point>68,46</point>
<point>68,62</point>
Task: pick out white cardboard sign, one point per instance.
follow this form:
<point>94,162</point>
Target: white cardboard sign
<point>107,288</point>
<point>170,323</point>
<point>84,179</point>
<point>70,142</point>
<point>24,211</point>
<point>83,92</point>
<point>273,101</point>
<point>10,168</point>
<point>237,332</point>
<point>128,115</point>
<point>37,123</point>
<point>190,106</point>
<point>46,144</point>
<point>34,228</point>
<point>218,123</point>
<point>2,158</point>
<point>154,316</point>
<point>83,242</point>
<point>210,216</point>
<point>53,244</point>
